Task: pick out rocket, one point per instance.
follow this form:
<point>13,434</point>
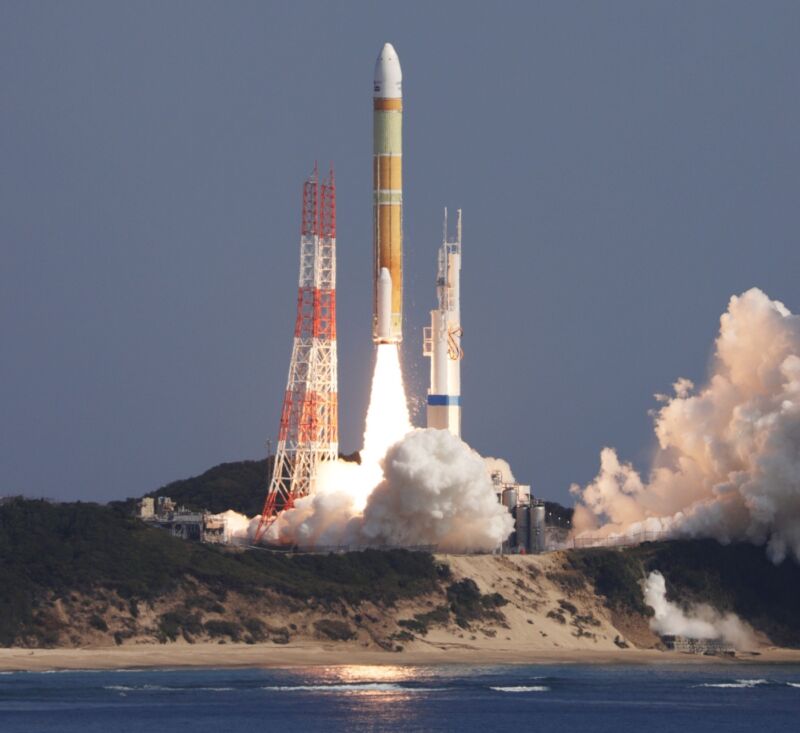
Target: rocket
<point>442,339</point>
<point>387,202</point>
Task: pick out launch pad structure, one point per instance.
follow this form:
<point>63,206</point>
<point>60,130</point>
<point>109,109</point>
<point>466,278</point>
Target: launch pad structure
<point>309,431</point>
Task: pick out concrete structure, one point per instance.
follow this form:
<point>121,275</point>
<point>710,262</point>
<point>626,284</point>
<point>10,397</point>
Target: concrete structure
<point>387,200</point>
<point>698,646</point>
<point>529,516</point>
<point>181,522</point>
<point>442,339</point>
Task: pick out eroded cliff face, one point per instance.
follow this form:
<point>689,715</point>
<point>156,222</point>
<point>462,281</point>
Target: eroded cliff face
<point>480,601</point>
<point>573,600</point>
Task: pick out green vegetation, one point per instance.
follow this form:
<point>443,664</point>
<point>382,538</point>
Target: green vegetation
<point>468,604</point>
<point>614,574</point>
<point>421,623</point>
<point>173,624</point>
<point>334,630</point>
<point>71,569</point>
<point>240,486</point>
<point>739,578</point>
<point>51,551</point>
<point>218,628</point>
<point>558,515</point>
<point>256,628</point>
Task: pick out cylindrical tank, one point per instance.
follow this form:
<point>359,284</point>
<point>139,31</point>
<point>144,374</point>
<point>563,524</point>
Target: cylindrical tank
<point>537,527</point>
<point>510,497</point>
<point>522,525</point>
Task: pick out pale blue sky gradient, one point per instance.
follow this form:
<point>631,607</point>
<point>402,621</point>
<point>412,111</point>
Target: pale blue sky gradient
<point>623,167</point>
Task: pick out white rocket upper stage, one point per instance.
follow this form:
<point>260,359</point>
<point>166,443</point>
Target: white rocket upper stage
<point>388,76</point>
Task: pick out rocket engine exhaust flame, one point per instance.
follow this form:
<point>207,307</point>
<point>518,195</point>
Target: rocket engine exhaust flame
<point>728,460</point>
<point>412,488</point>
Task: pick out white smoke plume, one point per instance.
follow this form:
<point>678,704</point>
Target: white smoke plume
<point>435,490</point>
<point>237,526</point>
<point>728,458</point>
<point>498,464</point>
<point>703,622</point>
<point>412,487</point>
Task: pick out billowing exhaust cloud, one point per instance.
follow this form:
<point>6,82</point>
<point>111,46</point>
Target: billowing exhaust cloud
<point>728,458</point>
<point>435,491</point>
<point>413,488</point>
<point>703,622</point>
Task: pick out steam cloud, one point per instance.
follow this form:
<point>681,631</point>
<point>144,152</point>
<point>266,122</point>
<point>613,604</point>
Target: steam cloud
<point>728,458</point>
<point>703,623</point>
<point>435,491</point>
<point>412,487</point>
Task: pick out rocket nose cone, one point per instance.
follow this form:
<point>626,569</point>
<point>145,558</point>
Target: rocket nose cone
<point>388,76</point>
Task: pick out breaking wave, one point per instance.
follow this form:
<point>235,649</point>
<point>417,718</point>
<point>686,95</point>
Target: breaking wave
<point>737,685</point>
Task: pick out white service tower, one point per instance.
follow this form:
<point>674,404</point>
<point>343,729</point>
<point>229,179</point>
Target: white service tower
<point>442,339</point>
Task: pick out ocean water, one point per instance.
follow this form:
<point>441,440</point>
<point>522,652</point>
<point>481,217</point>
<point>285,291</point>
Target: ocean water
<point>689,698</point>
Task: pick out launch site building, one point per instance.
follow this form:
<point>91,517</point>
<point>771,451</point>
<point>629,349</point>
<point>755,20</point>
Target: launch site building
<point>201,526</point>
<point>528,513</point>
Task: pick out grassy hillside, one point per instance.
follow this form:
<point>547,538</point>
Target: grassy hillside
<point>241,486</point>
<point>76,574</point>
<point>53,553</point>
<point>738,578</point>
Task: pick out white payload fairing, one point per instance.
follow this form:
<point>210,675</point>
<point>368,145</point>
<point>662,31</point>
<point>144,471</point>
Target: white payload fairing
<point>442,339</point>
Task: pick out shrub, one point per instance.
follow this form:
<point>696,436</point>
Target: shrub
<point>467,603</point>
<point>421,622</point>
<point>256,628</point>
<point>97,622</point>
<point>569,582</point>
<point>169,624</point>
<point>334,630</point>
<point>570,608</point>
<point>218,629</point>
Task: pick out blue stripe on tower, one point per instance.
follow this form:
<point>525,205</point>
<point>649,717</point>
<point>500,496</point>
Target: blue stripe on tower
<point>446,400</point>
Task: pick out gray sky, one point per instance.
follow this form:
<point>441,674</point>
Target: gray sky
<point>624,167</point>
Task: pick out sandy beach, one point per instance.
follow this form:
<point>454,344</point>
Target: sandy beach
<point>315,654</point>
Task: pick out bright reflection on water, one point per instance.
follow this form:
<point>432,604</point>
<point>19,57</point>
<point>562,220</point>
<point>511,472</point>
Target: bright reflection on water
<point>695,698</point>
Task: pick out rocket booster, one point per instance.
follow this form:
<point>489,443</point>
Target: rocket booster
<point>387,204</point>
<point>442,339</point>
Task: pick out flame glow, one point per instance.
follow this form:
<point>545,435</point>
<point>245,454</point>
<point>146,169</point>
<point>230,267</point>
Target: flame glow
<point>413,488</point>
<point>387,416</point>
<point>387,422</point>
<point>342,488</point>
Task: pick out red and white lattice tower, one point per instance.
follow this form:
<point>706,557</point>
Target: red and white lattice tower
<point>309,425</point>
